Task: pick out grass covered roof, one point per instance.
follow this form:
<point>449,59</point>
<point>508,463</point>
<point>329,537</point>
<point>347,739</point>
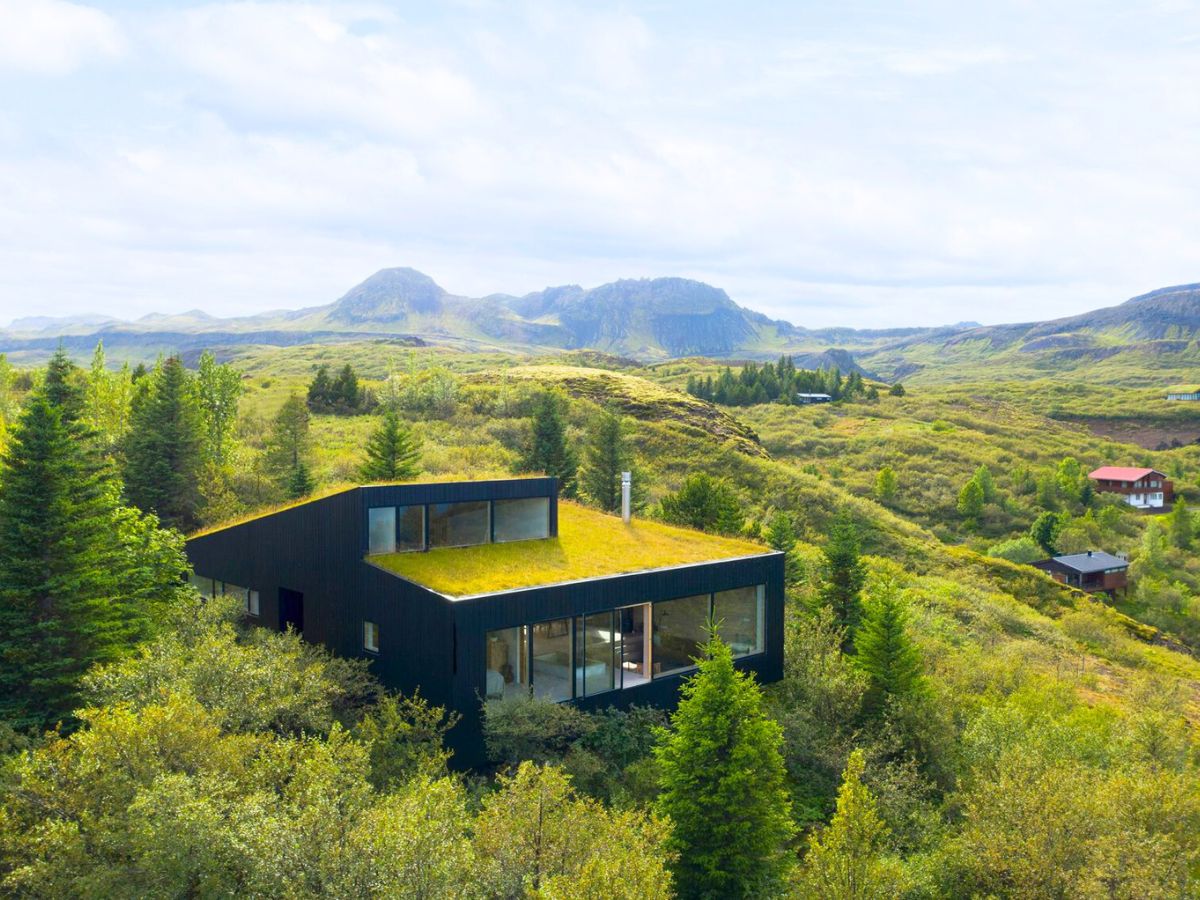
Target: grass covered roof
<point>589,544</point>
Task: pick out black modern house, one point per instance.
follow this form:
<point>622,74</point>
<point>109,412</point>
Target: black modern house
<point>467,592</point>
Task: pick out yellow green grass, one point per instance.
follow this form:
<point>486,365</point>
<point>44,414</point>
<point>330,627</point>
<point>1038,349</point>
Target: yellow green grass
<point>589,544</point>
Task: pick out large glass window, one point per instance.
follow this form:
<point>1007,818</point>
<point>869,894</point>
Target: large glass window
<point>739,614</point>
<point>459,524</point>
<point>522,520</point>
<point>634,625</point>
<point>410,528</point>
<point>597,654</point>
<point>507,662</point>
<point>203,584</point>
<point>680,631</point>
<point>553,659</point>
<point>381,529</point>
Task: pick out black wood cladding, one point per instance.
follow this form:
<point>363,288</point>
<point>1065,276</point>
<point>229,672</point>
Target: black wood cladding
<point>431,642</point>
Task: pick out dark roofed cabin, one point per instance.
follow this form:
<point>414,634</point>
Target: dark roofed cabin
<point>1094,571</point>
<point>485,589</point>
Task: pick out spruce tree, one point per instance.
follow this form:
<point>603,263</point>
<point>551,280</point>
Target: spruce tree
<point>704,503</point>
<point>722,779</point>
<point>844,577</point>
<point>164,453</point>
<point>80,576</point>
<point>63,387</point>
<point>288,442</point>
<point>393,451</point>
<point>606,454</point>
<point>883,649</point>
<point>300,481</point>
<point>548,451</point>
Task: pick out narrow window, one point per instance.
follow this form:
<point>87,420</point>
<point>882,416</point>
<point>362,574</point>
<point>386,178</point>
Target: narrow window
<point>252,604</point>
<point>381,530</point>
<point>370,637</point>
<point>507,663</point>
<point>553,658</point>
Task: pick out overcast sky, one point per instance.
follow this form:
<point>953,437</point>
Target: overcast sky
<point>834,163</point>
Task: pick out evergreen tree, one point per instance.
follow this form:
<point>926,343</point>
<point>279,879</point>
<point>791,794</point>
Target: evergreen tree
<point>345,392</point>
<point>393,451</point>
<point>844,578</point>
<point>108,400</point>
<point>80,577</point>
<point>164,453</point>
<point>63,387</point>
<point>287,445</point>
<point>722,779</point>
<point>705,503</point>
<point>218,389</point>
<point>883,649</point>
<point>320,390</point>
<point>846,860</point>
<point>606,454</point>
<point>897,390</point>
<point>1045,530</point>
<point>970,502</point>
<point>548,451</point>
<point>886,484</point>
<point>300,481</point>
<point>1181,525</point>
<point>781,532</point>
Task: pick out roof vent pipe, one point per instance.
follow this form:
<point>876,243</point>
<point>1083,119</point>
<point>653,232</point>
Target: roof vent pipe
<point>626,491</point>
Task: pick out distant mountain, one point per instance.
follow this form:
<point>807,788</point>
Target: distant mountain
<point>651,320</point>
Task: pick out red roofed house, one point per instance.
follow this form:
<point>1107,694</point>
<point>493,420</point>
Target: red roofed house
<point>1142,488</point>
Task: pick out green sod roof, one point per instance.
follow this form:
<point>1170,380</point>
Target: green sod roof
<point>589,544</point>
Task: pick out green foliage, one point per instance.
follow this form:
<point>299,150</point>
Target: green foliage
<point>393,451</point>
<point>109,400</point>
<point>886,485</point>
<point>781,532</point>
<point>1180,524</point>
<point>288,447</point>
<point>897,390</point>
<point>548,451</point>
<point>848,860</point>
<point>340,395</point>
<point>772,382</point>
<point>970,502</point>
<point>299,482</point>
<point>1045,531</point>
<point>535,837</point>
<point>705,503</point>
<point>722,780</point>
<point>987,486</point>
<point>883,649</point>
<point>845,575</point>
<point>532,728</point>
<point>607,453</point>
<point>164,450</point>
<point>218,389</point>
<point>82,579</point>
<point>1022,549</point>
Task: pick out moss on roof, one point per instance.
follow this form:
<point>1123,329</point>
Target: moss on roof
<point>589,544</point>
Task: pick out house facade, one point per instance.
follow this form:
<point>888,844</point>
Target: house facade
<point>1140,488</point>
<point>373,572</point>
<point>1094,571</point>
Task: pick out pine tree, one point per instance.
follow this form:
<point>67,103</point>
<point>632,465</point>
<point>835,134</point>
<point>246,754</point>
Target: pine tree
<point>606,454</point>
<point>548,451</point>
<point>722,779</point>
<point>705,503</point>
<point>845,575</point>
<point>81,577</point>
<point>846,861</point>
<point>883,649</point>
<point>300,481</point>
<point>393,451</point>
<point>164,454</point>
<point>320,390</point>
<point>781,532</point>
<point>218,388</point>
<point>288,442</point>
<point>63,388</point>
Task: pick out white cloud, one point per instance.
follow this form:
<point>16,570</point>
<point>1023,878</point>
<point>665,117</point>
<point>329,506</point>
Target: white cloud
<point>55,38</point>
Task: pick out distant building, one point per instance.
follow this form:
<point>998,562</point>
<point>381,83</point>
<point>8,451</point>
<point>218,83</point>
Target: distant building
<point>1094,571</point>
<point>1184,392</point>
<point>813,398</point>
<point>1141,488</point>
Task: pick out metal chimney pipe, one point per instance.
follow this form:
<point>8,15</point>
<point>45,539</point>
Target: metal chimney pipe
<point>626,493</point>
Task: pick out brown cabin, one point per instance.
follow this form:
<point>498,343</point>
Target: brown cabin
<point>1094,571</point>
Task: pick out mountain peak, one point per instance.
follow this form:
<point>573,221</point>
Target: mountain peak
<point>387,296</point>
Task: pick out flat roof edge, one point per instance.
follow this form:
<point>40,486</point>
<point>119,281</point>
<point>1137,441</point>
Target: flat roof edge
<point>766,554</point>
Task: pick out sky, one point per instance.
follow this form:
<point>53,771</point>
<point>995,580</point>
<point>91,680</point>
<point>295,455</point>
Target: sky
<point>843,163</point>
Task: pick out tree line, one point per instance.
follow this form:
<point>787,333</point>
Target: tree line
<point>778,382</point>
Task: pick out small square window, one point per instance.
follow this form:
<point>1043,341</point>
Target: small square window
<point>370,637</point>
<point>252,605</point>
